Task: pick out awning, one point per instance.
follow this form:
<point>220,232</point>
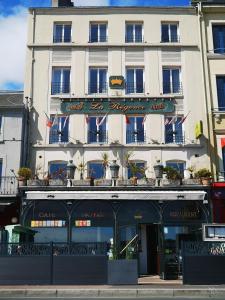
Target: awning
<point>116,195</point>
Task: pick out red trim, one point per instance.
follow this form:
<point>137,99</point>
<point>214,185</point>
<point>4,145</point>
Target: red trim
<point>218,184</point>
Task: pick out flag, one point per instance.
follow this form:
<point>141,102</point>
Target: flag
<point>55,120</point>
<point>49,123</point>
<point>184,118</point>
<point>144,119</point>
<point>173,120</point>
<point>103,119</point>
<point>166,121</point>
<point>64,123</point>
<point>87,119</point>
<point>127,119</point>
<point>222,142</point>
<point>97,121</point>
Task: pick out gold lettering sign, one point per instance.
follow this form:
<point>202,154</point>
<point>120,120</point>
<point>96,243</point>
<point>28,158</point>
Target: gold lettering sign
<point>124,107</point>
<point>78,106</point>
<point>116,81</point>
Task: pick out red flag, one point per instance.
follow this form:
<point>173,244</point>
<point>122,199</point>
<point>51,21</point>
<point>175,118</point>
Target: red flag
<point>127,119</point>
<point>49,123</point>
<point>166,121</point>
<point>222,142</point>
<point>87,119</point>
<point>184,118</point>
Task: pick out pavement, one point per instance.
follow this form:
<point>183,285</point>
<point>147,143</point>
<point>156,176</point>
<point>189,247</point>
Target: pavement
<point>148,287</point>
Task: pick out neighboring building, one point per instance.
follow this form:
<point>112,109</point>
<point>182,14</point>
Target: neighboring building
<point>211,16</point>
<point>114,89</point>
<point>12,156</point>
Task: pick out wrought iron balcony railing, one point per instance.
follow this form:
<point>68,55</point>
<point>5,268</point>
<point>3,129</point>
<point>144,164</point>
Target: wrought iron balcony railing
<point>100,136</point>
<point>134,38</point>
<point>60,88</point>
<point>132,88</point>
<point>135,136</point>
<point>57,136</point>
<point>172,88</point>
<point>8,186</point>
<point>174,138</point>
<point>98,88</point>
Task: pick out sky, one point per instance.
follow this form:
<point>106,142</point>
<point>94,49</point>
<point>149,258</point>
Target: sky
<point>13,31</point>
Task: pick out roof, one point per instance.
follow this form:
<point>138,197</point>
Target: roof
<point>11,99</point>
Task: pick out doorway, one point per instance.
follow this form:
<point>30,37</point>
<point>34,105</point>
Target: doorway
<point>148,249</point>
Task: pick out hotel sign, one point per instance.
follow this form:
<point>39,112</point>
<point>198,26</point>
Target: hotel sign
<point>118,106</point>
<point>116,82</point>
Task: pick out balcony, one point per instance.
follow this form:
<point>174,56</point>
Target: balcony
<point>60,88</point>
<point>137,38</point>
<point>174,138</point>
<point>101,88</point>
<point>100,136</point>
<point>132,88</point>
<point>172,88</point>
<point>135,137</point>
<point>57,137</point>
<point>8,186</point>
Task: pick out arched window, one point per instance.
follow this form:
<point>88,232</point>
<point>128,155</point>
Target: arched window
<point>180,166</point>
<point>95,169</point>
<point>57,169</point>
<point>136,169</point>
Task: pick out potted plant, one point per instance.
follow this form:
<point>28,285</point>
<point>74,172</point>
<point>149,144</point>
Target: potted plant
<point>58,178</point>
<point>173,177</point>
<point>24,174</point>
<point>205,176</point>
<point>135,170</point>
<point>35,180</point>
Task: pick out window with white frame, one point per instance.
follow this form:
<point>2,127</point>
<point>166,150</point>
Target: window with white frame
<point>1,163</point>
<point>136,169</point>
<point>220,83</point>
<point>59,131</point>
<point>134,80</point>
<point>98,32</point>
<point>60,80</point>
<point>172,80</point>
<point>97,129</point>
<point>135,132</point>
<point>179,166</point>
<point>174,129</point>
<point>97,80</point>
<point>62,33</point>
<point>1,127</point>
<point>95,170</point>
<point>134,33</point>
<point>57,169</point>
<point>169,32</point>
<point>219,38</point>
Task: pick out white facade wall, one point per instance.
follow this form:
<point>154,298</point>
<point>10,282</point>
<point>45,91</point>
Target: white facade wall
<point>152,55</point>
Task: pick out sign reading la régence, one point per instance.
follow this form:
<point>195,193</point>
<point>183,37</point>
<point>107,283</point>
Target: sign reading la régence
<point>126,106</point>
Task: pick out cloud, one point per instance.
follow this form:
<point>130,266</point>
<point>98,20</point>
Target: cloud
<point>13,31</point>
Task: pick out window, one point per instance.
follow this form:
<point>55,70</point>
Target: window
<point>220,82</point>
<point>219,38</point>
<point>135,130</point>
<point>60,81</point>
<point>97,80</point>
<point>97,132</point>
<point>0,168</point>
<point>179,166</point>
<point>98,32</point>
<point>171,81</point>
<point>174,130</point>
<point>169,32</point>
<point>134,33</point>
<point>59,132</point>
<point>96,170</point>
<point>135,80</point>
<point>62,33</point>
<point>136,169</point>
<point>57,169</point>
<point>1,128</point>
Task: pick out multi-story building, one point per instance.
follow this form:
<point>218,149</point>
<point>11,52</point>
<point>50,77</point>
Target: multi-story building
<point>105,86</point>
<point>12,156</point>
<point>211,22</point>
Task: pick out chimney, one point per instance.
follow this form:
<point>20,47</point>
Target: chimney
<point>62,3</point>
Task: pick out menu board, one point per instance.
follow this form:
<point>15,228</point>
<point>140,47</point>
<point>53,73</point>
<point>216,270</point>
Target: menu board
<point>48,223</point>
<point>83,223</point>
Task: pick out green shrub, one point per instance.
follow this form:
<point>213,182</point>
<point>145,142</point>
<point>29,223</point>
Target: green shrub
<point>203,173</point>
<point>172,173</point>
<point>25,173</point>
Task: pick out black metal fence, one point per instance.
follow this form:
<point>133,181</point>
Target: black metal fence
<point>203,262</point>
<point>53,263</point>
<point>8,186</point>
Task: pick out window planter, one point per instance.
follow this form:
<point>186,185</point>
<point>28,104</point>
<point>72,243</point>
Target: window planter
<point>103,182</point>
<point>82,182</point>
<point>125,182</point>
<point>57,182</point>
<point>170,182</point>
<point>146,181</point>
<point>37,182</point>
<point>192,181</point>
<point>123,271</point>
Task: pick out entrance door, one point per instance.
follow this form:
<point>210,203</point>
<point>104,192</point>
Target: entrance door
<point>148,250</point>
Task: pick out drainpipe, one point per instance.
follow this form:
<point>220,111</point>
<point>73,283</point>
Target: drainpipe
<point>206,80</point>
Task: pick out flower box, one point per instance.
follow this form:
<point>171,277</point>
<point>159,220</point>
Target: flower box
<point>82,182</point>
<point>57,182</point>
<point>146,181</point>
<point>103,182</point>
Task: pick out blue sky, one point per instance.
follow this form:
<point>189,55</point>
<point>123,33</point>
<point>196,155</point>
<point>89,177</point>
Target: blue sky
<point>13,27</point>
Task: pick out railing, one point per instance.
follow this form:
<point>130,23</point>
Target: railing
<point>8,186</point>
<point>174,138</point>
<point>57,136</point>
<point>60,88</point>
<point>132,88</point>
<point>172,88</point>
<point>100,88</point>
<point>100,136</point>
<point>61,39</point>
<point>55,249</point>
<point>134,38</point>
<point>174,38</point>
<point>135,136</point>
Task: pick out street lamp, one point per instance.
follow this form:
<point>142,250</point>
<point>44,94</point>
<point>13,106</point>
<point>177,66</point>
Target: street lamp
<point>158,169</point>
<point>70,171</point>
<point>114,168</point>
